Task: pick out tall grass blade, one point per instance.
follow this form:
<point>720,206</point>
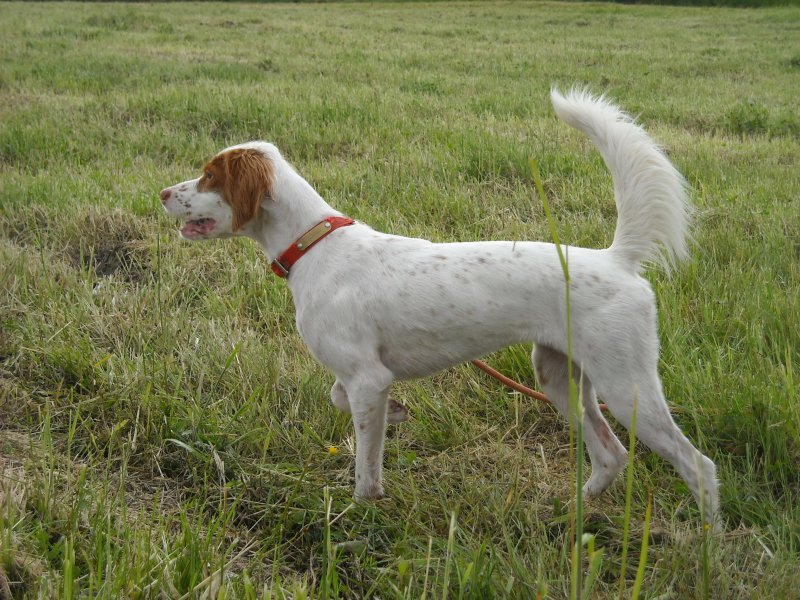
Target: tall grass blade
<point>329,563</point>
<point>637,584</point>
<point>626,522</point>
<point>448,559</point>
<point>427,569</point>
<point>69,569</point>
<point>575,407</point>
<point>706,563</point>
<point>595,562</point>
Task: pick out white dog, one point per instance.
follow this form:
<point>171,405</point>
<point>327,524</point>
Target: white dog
<point>375,307</point>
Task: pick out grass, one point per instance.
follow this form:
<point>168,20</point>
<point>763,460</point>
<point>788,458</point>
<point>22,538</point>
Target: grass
<point>163,430</point>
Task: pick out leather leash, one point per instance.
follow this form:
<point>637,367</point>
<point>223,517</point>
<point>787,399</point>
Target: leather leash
<point>517,386</point>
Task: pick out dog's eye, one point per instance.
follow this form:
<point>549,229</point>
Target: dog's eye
<point>209,175</point>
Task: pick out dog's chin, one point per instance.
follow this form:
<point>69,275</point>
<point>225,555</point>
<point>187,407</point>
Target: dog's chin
<point>199,229</point>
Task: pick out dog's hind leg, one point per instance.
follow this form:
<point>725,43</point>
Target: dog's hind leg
<point>620,388</point>
<point>607,454</point>
<point>339,397</point>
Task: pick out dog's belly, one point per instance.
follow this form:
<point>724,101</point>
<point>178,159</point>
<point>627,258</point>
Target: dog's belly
<point>431,353</point>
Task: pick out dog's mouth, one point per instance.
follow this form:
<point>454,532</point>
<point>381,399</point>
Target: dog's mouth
<point>198,228</point>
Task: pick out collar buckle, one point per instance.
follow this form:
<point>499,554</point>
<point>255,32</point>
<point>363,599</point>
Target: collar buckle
<point>279,269</point>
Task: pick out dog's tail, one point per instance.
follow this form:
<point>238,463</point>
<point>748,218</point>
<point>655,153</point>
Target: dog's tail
<point>652,205</point>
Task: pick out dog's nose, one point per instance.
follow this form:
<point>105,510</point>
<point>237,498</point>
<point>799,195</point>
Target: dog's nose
<point>165,194</point>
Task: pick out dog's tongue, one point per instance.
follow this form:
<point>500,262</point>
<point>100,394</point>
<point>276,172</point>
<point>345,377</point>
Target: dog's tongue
<point>198,227</point>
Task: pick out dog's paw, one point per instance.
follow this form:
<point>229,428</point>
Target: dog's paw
<point>370,493</point>
<point>396,412</point>
<point>591,490</point>
<point>597,484</point>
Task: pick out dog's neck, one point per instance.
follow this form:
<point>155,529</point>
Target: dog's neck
<point>293,208</point>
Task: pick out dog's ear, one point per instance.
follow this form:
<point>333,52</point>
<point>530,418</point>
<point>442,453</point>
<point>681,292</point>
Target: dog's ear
<point>249,176</point>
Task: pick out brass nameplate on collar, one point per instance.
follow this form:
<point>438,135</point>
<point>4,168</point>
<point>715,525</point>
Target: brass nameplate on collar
<point>312,235</point>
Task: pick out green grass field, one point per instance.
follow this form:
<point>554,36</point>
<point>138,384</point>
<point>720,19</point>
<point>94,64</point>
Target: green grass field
<point>165,433</point>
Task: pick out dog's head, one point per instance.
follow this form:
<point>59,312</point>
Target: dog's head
<point>226,199</point>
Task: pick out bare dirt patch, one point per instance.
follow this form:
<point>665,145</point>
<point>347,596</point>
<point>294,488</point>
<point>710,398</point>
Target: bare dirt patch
<point>110,244</point>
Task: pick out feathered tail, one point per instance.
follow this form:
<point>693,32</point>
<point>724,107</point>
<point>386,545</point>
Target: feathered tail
<point>652,205</point>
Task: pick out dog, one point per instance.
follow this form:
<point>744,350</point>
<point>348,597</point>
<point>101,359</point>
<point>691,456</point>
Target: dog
<point>375,307</point>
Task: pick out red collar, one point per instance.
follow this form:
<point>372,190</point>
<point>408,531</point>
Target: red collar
<point>282,264</point>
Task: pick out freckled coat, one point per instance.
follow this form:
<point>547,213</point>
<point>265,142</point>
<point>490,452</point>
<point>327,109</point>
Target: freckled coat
<point>375,307</point>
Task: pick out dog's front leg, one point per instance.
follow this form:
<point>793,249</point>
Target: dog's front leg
<point>396,412</point>
<point>368,401</point>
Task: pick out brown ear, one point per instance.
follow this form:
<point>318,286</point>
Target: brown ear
<point>248,180</point>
